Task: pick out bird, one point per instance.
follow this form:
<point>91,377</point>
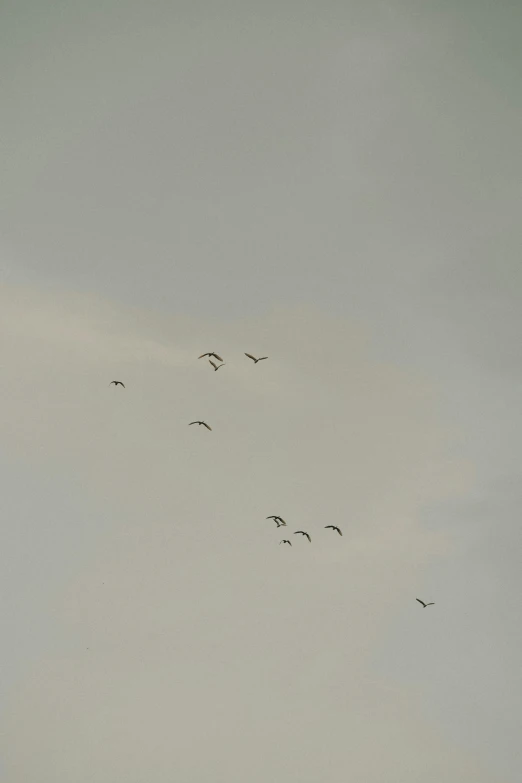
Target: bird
<point>117,383</point>
<point>280,522</point>
<point>285,541</point>
<point>425,605</point>
<point>333,527</point>
<point>215,366</point>
<point>204,423</point>
<point>254,358</point>
<point>302,532</point>
<point>211,353</point>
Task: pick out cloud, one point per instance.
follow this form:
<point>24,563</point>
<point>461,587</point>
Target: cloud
<point>181,624</point>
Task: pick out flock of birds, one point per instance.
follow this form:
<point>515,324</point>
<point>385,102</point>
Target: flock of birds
<point>280,522</point>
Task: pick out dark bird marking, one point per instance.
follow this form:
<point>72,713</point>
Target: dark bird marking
<point>280,522</point>
<point>254,358</point>
<point>204,423</point>
<point>333,527</point>
<point>117,383</point>
<point>216,366</point>
<point>425,605</point>
<point>285,541</point>
<point>302,532</point>
<point>209,354</point>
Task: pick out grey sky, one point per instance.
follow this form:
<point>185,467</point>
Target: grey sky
<point>335,185</point>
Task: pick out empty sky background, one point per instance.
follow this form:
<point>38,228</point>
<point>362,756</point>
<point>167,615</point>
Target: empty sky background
<point>336,185</point>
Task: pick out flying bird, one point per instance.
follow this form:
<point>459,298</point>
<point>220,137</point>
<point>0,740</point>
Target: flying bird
<point>280,522</point>
<point>285,541</point>
<point>215,366</point>
<point>333,527</point>
<point>302,532</point>
<point>425,605</point>
<point>204,423</point>
<point>117,383</point>
<point>211,353</point>
<point>254,358</point>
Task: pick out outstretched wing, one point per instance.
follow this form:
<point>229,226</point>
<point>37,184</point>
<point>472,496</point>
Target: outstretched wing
<point>261,358</point>
<point>204,423</point>
<point>332,527</point>
<point>217,356</point>
<point>273,517</point>
<point>203,355</point>
<point>251,357</point>
<point>432,604</point>
<point>194,422</point>
<point>421,602</point>
<point>215,366</point>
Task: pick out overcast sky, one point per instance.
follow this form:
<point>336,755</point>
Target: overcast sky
<point>336,185</point>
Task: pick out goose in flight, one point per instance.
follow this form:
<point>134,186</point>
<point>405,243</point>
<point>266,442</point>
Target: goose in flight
<point>285,541</point>
<point>425,605</point>
<point>280,522</point>
<point>211,353</point>
<point>117,383</point>
<point>334,527</point>
<point>204,423</point>
<point>302,532</point>
<point>216,366</point>
<point>254,358</point>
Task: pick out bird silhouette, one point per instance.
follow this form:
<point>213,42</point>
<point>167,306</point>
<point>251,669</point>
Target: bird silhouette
<point>117,383</point>
<point>204,423</point>
<point>302,532</point>
<point>211,353</point>
<point>285,541</point>
<point>254,358</point>
<point>333,527</point>
<point>280,522</point>
<point>215,366</point>
<point>425,605</point>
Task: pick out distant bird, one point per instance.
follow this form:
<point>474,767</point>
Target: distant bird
<point>117,383</point>
<point>334,527</point>
<point>280,522</point>
<point>285,541</point>
<point>214,365</point>
<point>204,423</point>
<point>211,353</point>
<point>425,605</point>
<point>254,358</point>
<point>302,532</point>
